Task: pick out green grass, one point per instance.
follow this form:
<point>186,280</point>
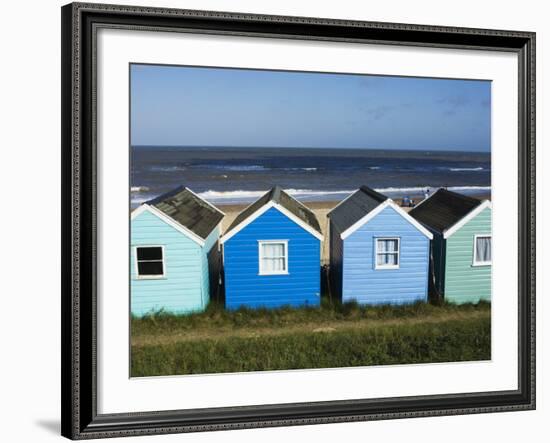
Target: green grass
<point>330,336</point>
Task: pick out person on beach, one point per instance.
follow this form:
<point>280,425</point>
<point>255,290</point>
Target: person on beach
<point>427,193</point>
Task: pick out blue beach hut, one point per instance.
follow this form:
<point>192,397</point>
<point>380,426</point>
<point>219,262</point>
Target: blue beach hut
<point>272,253</point>
<point>174,260</point>
<point>378,253</point>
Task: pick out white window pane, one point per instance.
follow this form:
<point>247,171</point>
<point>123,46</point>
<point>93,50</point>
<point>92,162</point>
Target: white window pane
<point>387,252</point>
<point>273,264</point>
<point>387,259</point>
<point>483,249</point>
<point>278,264</point>
<point>271,250</point>
<point>273,257</point>
<point>267,266</point>
<point>387,245</point>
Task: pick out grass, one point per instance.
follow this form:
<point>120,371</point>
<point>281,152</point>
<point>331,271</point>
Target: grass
<point>338,335</point>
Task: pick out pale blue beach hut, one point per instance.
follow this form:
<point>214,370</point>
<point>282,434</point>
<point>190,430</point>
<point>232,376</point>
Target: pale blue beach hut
<point>378,253</point>
<point>174,258</point>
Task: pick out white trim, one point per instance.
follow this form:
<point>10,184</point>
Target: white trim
<point>426,198</point>
<point>482,263</point>
<point>261,271</point>
<point>149,277</point>
<point>389,202</point>
<point>247,206</point>
<point>474,212</point>
<point>412,220</point>
<point>300,222</point>
<point>225,237</point>
<point>140,209</point>
<point>342,201</point>
<point>168,220</point>
<point>262,211</point>
<point>382,267</point>
<point>364,220</point>
<point>206,201</point>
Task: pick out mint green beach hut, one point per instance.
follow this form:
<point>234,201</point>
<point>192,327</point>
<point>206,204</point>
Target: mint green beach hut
<point>174,258</point>
<point>461,250</point>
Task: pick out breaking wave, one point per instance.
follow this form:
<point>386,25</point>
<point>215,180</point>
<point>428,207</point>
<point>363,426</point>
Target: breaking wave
<point>251,168</point>
<point>241,196</point>
<point>140,194</point>
<point>421,189</point>
<point>466,169</point>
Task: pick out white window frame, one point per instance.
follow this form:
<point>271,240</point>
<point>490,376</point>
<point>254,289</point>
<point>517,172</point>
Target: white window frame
<point>376,253</point>
<point>261,269</point>
<point>149,277</point>
<point>482,263</point>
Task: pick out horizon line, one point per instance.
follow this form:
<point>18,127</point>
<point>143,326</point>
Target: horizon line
<point>308,147</point>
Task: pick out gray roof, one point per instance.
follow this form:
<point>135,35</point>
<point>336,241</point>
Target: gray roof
<point>277,195</point>
<point>355,207</point>
<point>443,209</point>
<point>189,210</point>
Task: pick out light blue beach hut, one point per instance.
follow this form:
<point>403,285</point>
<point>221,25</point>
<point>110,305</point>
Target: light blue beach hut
<point>174,260</point>
<point>272,253</point>
<point>378,253</point>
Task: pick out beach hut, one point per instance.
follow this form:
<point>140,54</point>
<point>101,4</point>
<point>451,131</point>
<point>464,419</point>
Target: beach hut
<point>175,262</point>
<point>272,253</point>
<point>378,253</point>
<point>461,248</point>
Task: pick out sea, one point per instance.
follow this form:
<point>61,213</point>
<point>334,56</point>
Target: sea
<point>229,175</point>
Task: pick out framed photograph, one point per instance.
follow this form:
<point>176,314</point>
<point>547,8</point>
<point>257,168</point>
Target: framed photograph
<point>273,221</point>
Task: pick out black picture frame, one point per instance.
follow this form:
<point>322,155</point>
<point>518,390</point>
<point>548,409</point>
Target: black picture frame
<point>79,210</point>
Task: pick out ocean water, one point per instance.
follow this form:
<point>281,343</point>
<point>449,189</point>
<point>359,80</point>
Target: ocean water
<point>241,175</point>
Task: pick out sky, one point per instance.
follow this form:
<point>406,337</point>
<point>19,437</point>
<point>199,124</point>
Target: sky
<point>193,106</point>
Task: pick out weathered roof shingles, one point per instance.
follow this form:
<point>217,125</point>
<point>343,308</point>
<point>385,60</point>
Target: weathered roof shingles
<point>189,210</point>
<point>277,195</point>
<point>355,207</point>
<point>443,209</point>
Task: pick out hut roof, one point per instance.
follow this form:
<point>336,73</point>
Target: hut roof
<point>355,207</point>
<point>280,197</point>
<point>189,210</point>
<point>443,209</point>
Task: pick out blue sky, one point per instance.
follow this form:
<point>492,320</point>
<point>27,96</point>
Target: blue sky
<point>251,108</point>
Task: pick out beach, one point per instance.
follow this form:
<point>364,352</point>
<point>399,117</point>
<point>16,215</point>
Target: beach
<point>232,178</point>
<point>228,176</point>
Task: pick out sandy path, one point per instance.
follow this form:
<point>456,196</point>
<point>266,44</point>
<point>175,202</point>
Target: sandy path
<point>325,327</point>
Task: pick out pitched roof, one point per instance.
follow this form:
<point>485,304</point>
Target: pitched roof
<point>355,207</point>
<point>443,209</point>
<point>189,210</point>
<point>280,197</point>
